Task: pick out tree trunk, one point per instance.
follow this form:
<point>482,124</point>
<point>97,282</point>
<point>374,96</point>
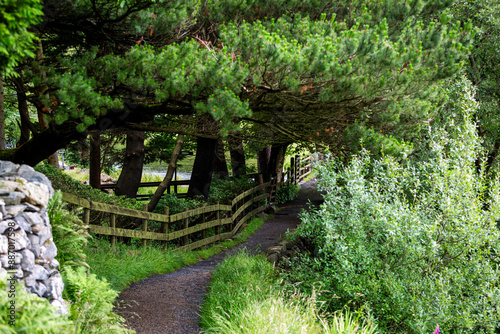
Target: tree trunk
<point>40,91</point>
<point>95,161</point>
<point>201,177</point>
<point>43,144</point>
<point>270,161</point>
<point>220,164</point>
<point>277,161</point>
<point>237,156</point>
<point>130,177</point>
<point>22,105</point>
<point>263,158</point>
<point>2,117</point>
<point>168,177</point>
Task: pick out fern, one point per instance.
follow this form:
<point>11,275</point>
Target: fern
<point>91,303</point>
<point>69,233</point>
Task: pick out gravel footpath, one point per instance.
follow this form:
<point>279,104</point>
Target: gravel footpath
<point>170,303</point>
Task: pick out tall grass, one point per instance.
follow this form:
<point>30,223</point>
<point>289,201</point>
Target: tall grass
<point>246,297</point>
<point>125,264</point>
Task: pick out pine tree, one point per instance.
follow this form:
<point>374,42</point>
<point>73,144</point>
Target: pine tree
<point>304,69</point>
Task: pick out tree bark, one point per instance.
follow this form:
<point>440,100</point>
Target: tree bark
<point>95,161</point>
<point>2,117</point>
<point>130,177</point>
<point>277,160</point>
<point>201,177</point>
<point>492,156</point>
<point>40,90</point>
<point>170,173</point>
<point>270,161</point>
<point>263,158</point>
<point>220,164</point>
<point>22,105</point>
<point>237,156</point>
<point>43,144</point>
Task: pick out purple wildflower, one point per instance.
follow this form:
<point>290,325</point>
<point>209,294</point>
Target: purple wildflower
<point>437,330</point>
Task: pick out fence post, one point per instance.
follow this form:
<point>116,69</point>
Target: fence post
<point>175,178</point>
<point>270,193</point>
<point>144,224</point>
<point>113,225</point>
<point>217,216</point>
<point>297,169</point>
<point>203,222</point>
<point>86,216</point>
<point>186,226</point>
<point>165,225</point>
<point>274,189</point>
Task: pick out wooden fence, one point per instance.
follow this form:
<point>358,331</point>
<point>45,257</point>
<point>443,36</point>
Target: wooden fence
<point>300,168</point>
<point>194,228</point>
<point>221,221</point>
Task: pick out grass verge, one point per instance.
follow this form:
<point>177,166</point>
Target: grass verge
<point>126,264</point>
<point>246,297</point>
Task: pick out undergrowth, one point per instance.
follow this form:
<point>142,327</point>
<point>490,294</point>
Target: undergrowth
<point>126,264</point>
<point>246,297</point>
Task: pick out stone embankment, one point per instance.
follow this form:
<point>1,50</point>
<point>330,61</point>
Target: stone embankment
<point>26,234</point>
<point>281,253</point>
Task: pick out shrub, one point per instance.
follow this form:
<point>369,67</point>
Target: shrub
<point>176,204</point>
<point>287,192</point>
<point>225,190</point>
<point>412,241</point>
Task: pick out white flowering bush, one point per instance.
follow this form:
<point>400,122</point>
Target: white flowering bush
<point>415,243</point>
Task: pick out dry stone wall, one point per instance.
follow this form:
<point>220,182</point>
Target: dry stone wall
<point>27,249</point>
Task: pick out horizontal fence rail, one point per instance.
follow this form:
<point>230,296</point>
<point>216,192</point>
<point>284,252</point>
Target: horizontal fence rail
<point>189,229</point>
<point>216,217</point>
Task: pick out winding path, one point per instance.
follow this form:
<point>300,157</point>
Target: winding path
<point>170,303</point>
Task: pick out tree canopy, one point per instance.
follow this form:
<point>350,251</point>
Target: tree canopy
<point>302,70</point>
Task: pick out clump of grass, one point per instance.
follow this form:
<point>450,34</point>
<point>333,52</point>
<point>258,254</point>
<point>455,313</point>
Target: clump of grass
<point>246,297</point>
<point>126,264</point>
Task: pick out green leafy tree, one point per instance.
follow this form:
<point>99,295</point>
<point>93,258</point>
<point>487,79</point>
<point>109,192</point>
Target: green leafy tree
<point>16,40</point>
<point>415,242</point>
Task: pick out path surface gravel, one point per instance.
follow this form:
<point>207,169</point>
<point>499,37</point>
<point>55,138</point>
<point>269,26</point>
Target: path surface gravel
<point>170,303</point>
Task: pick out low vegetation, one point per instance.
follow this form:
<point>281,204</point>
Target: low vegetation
<point>34,315</point>
<point>246,297</point>
<point>63,181</point>
<point>126,264</point>
<point>224,190</point>
<point>287,192</point>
